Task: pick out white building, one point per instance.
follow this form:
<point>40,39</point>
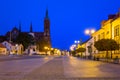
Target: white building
<point>90,47</point>
<point>13,48</point>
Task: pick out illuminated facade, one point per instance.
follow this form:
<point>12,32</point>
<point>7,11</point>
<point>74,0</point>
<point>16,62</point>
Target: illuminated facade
<point>12,48</point>
<point>88,44</point>
<point>110,29</point>
<point>3,50</point>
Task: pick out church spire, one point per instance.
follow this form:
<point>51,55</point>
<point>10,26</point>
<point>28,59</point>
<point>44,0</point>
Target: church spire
<point>46,13</point>
<point>31,30</point>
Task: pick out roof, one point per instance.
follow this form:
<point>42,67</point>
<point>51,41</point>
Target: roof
<point>15,29</point>
<point>39,34</point>
<point>2,46</point>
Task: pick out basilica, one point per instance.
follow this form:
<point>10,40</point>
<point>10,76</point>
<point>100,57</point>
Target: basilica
<point>45,35</point>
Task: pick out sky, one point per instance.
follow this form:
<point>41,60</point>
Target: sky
<point>68,18</point>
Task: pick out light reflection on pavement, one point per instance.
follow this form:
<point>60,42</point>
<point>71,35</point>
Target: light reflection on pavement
<point>74,67</point>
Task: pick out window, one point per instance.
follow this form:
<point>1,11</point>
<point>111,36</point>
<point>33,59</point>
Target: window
<point>103,35</point>
<point>98,37</point>
<point>116,31</point>
<point>107,32</point>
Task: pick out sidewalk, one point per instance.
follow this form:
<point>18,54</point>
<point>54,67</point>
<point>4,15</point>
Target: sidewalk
<point>105,60</point>
<point>110,61</point>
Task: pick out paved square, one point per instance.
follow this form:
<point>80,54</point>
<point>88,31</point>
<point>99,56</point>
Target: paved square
<point>58,68</point>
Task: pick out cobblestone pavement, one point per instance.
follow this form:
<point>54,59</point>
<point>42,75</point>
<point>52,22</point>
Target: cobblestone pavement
<point>58,68</point>
<point>53,70</point>
<point>17,69</point>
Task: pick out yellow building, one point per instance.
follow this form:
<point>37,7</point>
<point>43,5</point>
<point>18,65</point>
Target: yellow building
<point>3,50</point>
<point>105,32</point>
<point>116,29</point>
<point>110,29</point>
<point>84,46</point>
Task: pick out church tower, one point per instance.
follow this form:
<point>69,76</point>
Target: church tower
<point>31,29</point>
<point>47,29</point>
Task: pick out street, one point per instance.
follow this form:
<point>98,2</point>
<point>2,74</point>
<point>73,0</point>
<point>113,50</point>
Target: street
<point>57,68</point>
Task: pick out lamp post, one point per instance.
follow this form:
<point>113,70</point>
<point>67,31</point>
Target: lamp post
<point>89,32</point>
<point>46,48</point>
<point>76,43</point>
<point>74,46</point>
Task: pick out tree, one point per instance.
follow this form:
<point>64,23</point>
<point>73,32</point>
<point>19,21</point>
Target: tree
<point>81,50</point>
<point>2,38</point>
<point>73,53</point>
<point>106,45</point>
<point>25,39</point>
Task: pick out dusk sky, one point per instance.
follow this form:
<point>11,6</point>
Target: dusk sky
<point>68,18</point>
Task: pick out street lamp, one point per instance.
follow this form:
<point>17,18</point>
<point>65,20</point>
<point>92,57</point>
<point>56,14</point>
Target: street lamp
<point>72,47</point>
<point>76,42</point>
<point>89,32</point>
<point>75,45</point>
<point>46,49</point>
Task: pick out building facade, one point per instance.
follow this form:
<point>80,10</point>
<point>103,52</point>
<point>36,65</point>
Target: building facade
<point>3,50</point>
<point>12,48</point>
<point>110,29</point>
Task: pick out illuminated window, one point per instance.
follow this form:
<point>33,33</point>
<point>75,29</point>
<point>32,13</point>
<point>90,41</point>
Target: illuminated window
<point>116,31</point>
<point>98,37</point>
<point>107,32</point>
<point>103,35</point>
